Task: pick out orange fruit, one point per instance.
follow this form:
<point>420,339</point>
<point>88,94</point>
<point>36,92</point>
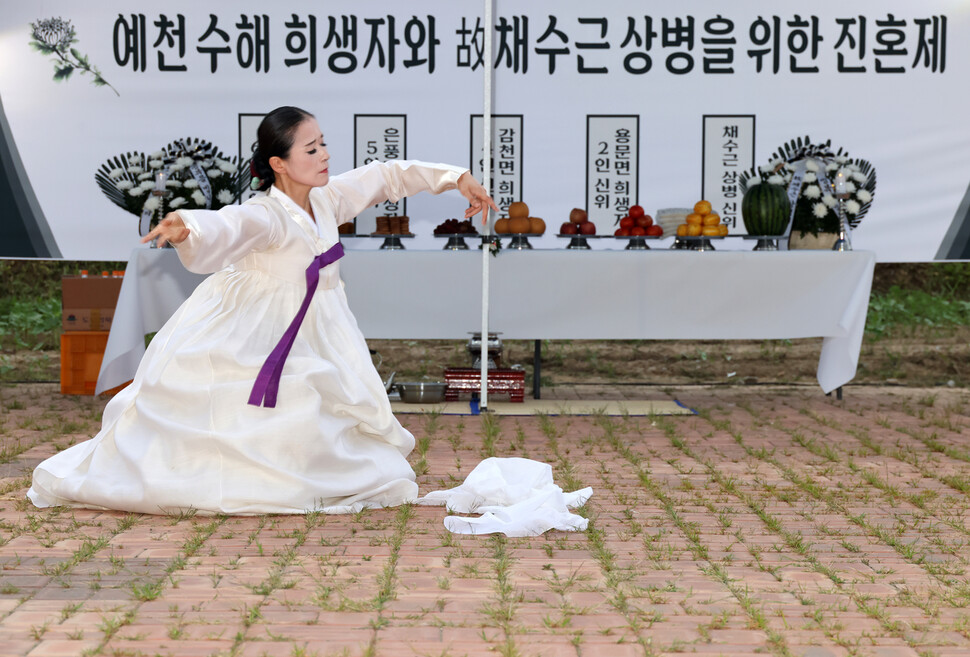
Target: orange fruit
<point>712,219</point>
<point>682,230</point>
<point>694,218</point>
<point>536,226</point>
<point>518,210</point>
<point>711,231</point>
<point>693,230</point>
<point>502,226</point>
<point>723,228</point>
<point>702,207</point>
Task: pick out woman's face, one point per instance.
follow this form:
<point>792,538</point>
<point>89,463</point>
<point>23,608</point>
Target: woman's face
<point>308,161</point>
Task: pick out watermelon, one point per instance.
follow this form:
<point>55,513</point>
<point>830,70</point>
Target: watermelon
<point>766,209</point>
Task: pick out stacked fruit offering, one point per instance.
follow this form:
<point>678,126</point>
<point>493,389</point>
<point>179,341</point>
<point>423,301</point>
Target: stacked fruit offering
<point>637,223</point>
<point>578,224</point>
<point>519,222</point>
<point>702,222</point>
<point>455,227</point>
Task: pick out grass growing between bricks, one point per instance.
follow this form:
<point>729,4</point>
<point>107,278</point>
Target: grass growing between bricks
<point>777,523</point>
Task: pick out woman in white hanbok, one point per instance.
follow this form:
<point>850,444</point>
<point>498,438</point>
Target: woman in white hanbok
<point>191,432</point>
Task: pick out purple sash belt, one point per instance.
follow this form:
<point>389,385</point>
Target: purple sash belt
<point>268,380</point>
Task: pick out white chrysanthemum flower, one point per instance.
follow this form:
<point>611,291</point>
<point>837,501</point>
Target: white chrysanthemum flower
<point>858,176</point>
<point>175,168</point>
<point>157,155</point>
<point>766,169</point>
<point>829,200</point>
<point>227,167</point>
<point>754,181</point>
<point>819,210</point>
<point>831,166</point>
<point>850,187</point>
<point>155,164</point>
<point>205,164</point>
<point>774,164</point>
<point>184,161</point>
<point>136,191</point>
<point>177,202</point>
<point>136,169</point>
<point>810,177</point>
<point>175,184</point>
<point>198,197</point>
<point>811,165</point>
<point>225,197</point>
<point>148,175</point>
<point>789,166</point>
<point>124,184</point>
<point>147,184</point>
<point>152,203</point>
<point>116,173</point>
<point>864,195</point>
<point>776,180</point>
<point>812,191</point>
<point>191,183</point>
<point>852,207</point>
<point>841,159</point>
<point>213,173</point>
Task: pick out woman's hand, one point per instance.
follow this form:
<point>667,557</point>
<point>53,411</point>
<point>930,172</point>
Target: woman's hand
<point>170,229</point>
<point>478,198</point>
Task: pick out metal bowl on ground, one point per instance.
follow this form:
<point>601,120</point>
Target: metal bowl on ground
<point>421,392</point>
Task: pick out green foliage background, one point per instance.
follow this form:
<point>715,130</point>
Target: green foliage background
<point>905,298</point>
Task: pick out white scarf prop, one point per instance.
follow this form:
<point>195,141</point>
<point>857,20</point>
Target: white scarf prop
<point>515,496</point>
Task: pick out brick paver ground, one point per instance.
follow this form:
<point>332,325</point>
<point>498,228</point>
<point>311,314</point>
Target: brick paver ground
<point>775,521</point>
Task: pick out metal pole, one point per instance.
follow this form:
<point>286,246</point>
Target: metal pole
<point>486,181</point>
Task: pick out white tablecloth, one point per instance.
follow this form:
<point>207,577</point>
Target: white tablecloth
<point>559,294</point>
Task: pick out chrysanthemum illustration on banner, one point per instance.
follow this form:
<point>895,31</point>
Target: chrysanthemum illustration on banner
<point>56,36</point>
<point>190,173</point>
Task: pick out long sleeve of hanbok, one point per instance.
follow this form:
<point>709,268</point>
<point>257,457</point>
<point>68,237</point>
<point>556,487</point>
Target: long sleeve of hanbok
<point>217,238</point>
<point>354,191</point>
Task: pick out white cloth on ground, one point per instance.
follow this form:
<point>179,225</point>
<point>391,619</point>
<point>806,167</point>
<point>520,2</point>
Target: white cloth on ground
<point>516,497</point>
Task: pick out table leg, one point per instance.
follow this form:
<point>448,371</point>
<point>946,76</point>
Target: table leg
<point>537,370</point>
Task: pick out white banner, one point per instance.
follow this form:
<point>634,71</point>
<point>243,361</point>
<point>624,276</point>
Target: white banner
<point>83,84</point>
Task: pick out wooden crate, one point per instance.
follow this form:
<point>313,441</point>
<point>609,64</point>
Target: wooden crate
<point>81,355</point>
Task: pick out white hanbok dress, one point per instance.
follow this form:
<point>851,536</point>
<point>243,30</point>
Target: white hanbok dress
<point>183,437</point>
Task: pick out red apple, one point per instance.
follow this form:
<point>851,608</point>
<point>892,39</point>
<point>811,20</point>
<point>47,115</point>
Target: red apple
<point>637,231</point>
<point>587,228</point>
<point>644,221</point>
<point>623,232</point>
<point>577,215</point>
<point>636,211</point>
<point>655,230</point>
<point>627,222</point>
<point>568,229</point>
